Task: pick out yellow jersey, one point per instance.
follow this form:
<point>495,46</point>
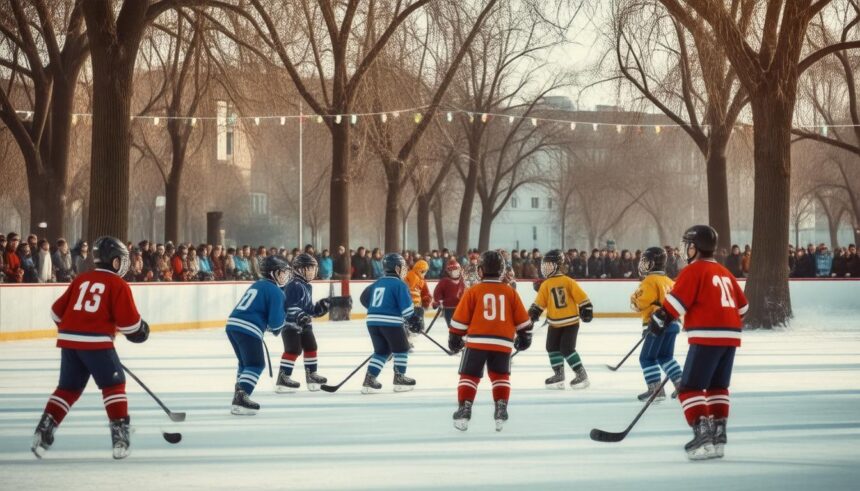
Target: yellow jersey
<point>561,297</point>
<point>650,295</point>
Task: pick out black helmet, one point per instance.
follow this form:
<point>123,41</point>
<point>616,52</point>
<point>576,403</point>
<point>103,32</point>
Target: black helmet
<point>275,268</point>
<point>703,238</point>
<point>552,263</point>
<point>305,266</point>
<point>106,249</point>
<point>393,264</point>
<point>492,264</point>
<point>653,259</point>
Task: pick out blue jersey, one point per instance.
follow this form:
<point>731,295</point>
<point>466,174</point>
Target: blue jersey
<point>298,299</point>
<point>261,308</point>
<point>388,302</point>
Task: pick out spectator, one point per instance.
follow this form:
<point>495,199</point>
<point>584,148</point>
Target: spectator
<point>42,262</point>
<point>361,269</point>
<point>64,269</point>
<point>81,257</point>
<point>217,263</point>
<point>823,262</point>
<point>626,267</point>
<point>136,271</point>
<point>204,263</point>
<point>376,264</point>
<point>746,260</point>
<point>230,271</point>
<point>13,271</point>
<point>177,264</point>
<point>192,265</point>
<point>613,265</point>
<point>673,262</point>
<point>595,265</point>
<point>517,263</point>
<point>2,258</point>
<point>26,259</point>
<point>326,265</point>
<point>33,242</point>
<point>530,268</point>
<point>733,262</point>
<point>792,260</point>
<point>853,262</point>
<point>436,264</point>
<point>341,264</point>
<point>579,266</point>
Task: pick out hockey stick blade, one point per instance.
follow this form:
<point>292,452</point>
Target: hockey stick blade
<point>172,438</point>
<point>616,367</point>
<point>609,437</point>
<point>333,388</point>
<point>176,417</point>
<point>606,436</point>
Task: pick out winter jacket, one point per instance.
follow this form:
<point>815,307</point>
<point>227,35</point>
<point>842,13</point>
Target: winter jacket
<point>823,264</point>
<point>733,264</point>
<point>448,292</point>
<point>326,268</point>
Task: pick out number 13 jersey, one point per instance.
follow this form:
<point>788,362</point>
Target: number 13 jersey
<point>490,313</point>
<point>94,306</point>
<point>711,301</point>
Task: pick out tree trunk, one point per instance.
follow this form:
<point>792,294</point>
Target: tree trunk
<point>469,191</point>
<point>718,187</point>
<point>485,228</point>
<point>62,104</point>
<point>440,227</point>
<point>393,172</point>
<point>339,212</point>
<point>767,288</point>
<point>423,222</point>
<point>833,228</point>
<point>171,206</point>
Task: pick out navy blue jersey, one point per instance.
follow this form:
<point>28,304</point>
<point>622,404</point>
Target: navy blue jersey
<point>298,299</point>
<point>388,302</point>
<point>261,308</point>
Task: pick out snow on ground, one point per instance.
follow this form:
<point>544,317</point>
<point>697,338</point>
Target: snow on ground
<point>795,420</point>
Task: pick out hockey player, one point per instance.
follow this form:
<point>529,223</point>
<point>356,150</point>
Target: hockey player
<point>260,309</point>
<point>713,305</point>
<point>565,304</point>
<point>657,351</point>
<point>298,335</point>
<point>388,304</point>
<point>491,315</point>
<point>418,289</point>
<point>449,290</point>
<point>95,306</point>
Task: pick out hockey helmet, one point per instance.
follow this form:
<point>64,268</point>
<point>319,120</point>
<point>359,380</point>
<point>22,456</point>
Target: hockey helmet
<point>703,238</point>
<point>106,249</point>
<point>653,259</point>
<point>305,266</point>
<point>393,264</point>
<point>552,263</point>
<point>277,269</point>
<point>492,264</point>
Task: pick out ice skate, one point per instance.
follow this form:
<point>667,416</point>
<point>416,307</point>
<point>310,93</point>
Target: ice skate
<point>242,404</point>
<point>119,436</point>
<point>501,414</point>
<point>661,395</point>
<point>556,382</point>
<point>580,381</point>
<point>402,383</point>
<point>370,386</point>
<point>286,385</point>
<point>314,380</point>
<point>44,436</point>
<point>719,434</point>
<point>462,416</point>
<point>701,447</point>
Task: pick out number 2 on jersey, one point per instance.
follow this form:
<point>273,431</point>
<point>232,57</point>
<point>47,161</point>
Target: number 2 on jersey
<point>494,306</point>
<point>95,291</point>
<point>726,290</point>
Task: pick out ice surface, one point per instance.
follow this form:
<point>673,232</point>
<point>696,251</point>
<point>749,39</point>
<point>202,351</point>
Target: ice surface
<point>795,420</point>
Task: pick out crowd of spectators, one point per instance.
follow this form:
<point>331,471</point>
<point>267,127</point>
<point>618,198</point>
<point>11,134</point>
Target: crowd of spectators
<point>37,261</point>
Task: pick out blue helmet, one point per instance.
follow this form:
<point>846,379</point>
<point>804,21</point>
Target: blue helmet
<point>393,264</point>
<point>272,268</point>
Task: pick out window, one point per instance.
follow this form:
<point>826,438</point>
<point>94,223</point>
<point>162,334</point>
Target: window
<point>535,203</point>
<point>534,232</point>
<point>515,202</point>
<point>549,203</point>
<point>229,142</point>
<point>259,203</point>
<point>225,121</point>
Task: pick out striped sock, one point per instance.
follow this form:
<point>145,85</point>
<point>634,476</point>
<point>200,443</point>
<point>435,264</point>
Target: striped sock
<point>672,369</point>
<point>60,402</point>
<point>288,362</point>
<point>311,361</point>
<point>555,359</point>
<point>248,379</point>
<point>377,361</point>
<point>718,402</point>
<point>501,386</point>
<point>400,360</point>
<point>574,360</point>
<point>467,388</point>
<point>694,404</point>
<point>116,402</point>
<point>651,373</point>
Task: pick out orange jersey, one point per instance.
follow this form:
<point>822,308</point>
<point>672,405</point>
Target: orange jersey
<point>418,289</point>
<point>490,314</point>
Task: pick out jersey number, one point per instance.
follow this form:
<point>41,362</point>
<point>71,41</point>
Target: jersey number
<point>559,297</point>
<point>726,290</point>
<point>494,306</point>
<point>95,291</point>
<point>377,297</point>
<point>247,299</point>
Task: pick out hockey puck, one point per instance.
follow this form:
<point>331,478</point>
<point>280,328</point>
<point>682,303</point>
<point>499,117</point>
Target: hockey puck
<point>173,438</point>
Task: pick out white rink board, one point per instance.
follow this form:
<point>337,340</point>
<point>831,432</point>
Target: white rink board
<point>794,424</point>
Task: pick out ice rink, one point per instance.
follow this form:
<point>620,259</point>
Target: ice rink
<point>795,420</point>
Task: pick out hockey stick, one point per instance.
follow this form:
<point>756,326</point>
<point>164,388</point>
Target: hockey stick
<point>268,358</point>
<point>608,436</point>
<point>439,311</point>
<point>616,367</point>
<point>333,388</point>
<point>446,350</point>
<point>170,437</point>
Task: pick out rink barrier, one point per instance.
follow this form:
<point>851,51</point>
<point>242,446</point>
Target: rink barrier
<point>25,308</point>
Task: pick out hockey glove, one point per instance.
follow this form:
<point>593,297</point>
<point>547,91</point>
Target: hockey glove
<point>455,342</point>
<point>322,307</point>
<point>415,323</point>
<point>364,299</point>
<point>303,320</point>
<point>523,340</point>
<point>141,335</point>
<point>535,312</point>
<point>586,312</point>
<point>536,285</point>
<point>660,319</point>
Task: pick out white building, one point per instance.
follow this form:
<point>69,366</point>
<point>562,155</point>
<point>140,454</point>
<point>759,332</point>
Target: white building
<point>529,220</point>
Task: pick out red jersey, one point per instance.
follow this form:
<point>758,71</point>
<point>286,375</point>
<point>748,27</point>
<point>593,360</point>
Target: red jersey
<point>94,307</point>
<point>490,314</point>
<point>448,292</point>
<point>711,301</point>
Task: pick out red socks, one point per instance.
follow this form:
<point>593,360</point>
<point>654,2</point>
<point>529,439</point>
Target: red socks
<point>698,403</point>
<point>501,386</point>
<point>116,402</point>
<point>60,402</point>
<point>467,388</point>
<point>718,402</point>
